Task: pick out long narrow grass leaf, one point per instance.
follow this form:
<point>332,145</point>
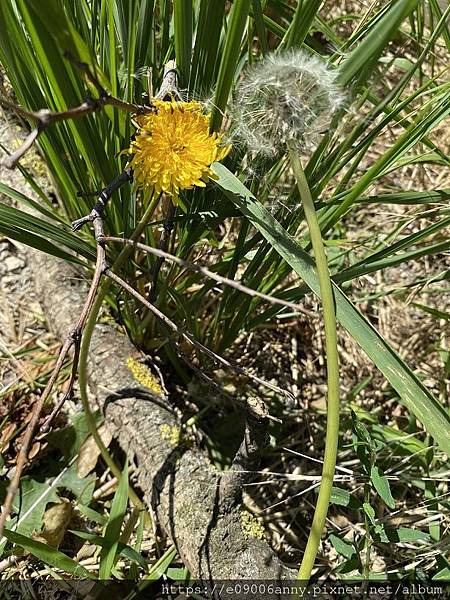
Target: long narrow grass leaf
<point>411,391</point>
<point>238,21</point>
<point>359,63</point>
<point>113,526</point>
<point>48,555</point>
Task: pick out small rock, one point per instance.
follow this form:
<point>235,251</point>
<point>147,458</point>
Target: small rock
<point>13,263</point>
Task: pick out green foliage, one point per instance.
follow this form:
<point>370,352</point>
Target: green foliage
<point>61,481</point>
<point>118,548</point>
<point>357,551</point>
<point>113,526</point>
<point>412,392</point>
<point>49,555</point>
<point>240,223</point>
<point>52,483</point>
<point>30,504</point>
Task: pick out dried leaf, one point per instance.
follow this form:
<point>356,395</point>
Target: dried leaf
<point>6,435</point>
<point>89,452</point>
<point>34,450</point>
<point>56,519</point>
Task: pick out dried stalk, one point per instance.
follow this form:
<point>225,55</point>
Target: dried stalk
<point>191,340</point>
<point>73,339</point>
<point>237,285</point>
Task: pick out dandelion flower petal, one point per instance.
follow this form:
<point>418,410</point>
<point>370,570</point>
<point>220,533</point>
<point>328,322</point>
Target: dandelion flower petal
<point>174,149</point>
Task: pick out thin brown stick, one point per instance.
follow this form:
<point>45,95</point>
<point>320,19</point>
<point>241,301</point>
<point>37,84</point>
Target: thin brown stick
<point>73,339</point>
<point>202,375</point>
<point>45,117</point>
<point>103,198</point>
<point>204,271</point>
<point>69,389</point>
<point>189,338</point>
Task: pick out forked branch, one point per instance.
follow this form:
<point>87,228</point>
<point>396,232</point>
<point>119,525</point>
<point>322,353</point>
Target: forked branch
<point>216,358</point>
<point>44,117</point>
<point>73,339</point>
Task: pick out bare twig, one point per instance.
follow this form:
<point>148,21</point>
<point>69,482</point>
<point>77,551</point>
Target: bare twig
<point>69,389</point>
<point>103,198</point>
<point>204,271</point>
<point>189,338</point>
<point>45,117</point>
<point>73,339</point>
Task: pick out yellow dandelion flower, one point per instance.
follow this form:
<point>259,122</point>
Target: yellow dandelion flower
<point>174,148</point>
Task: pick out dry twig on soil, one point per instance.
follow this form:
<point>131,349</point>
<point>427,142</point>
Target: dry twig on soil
<point>45,117</point>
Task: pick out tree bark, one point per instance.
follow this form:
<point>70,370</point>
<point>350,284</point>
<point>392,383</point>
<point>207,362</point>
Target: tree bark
<point>178,481</point>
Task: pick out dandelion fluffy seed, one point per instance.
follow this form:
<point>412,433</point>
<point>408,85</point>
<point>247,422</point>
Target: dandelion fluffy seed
<point>286,98</point>
<point>174,149</point>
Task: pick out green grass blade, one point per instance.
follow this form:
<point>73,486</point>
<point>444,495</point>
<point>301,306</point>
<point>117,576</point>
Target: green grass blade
<point>113,526</point>
<point>303,17</point>
<point>411,391</point>
<point>426,121</point>
<point>63,31</point>
<point>238,20</point>
<point>207,38</point>
<point>370,266</point>
<point>22,198</point>
<point>182,25</point>
<point>422,197</point>
<point>145,42</point>
<point>123,549</point>
<point>14,218</point>
<point>48,555</point>
<point>160,567</point>
<point>34,241</point>
<point>258,17</point>
<point>361,60</point>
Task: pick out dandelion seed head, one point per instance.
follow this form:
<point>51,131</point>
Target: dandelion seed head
<point>286,98</point>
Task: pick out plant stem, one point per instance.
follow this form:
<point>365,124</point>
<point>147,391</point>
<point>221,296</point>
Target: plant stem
<point>84,352</point>
<point>329,319</point>
<point>368,540</point>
